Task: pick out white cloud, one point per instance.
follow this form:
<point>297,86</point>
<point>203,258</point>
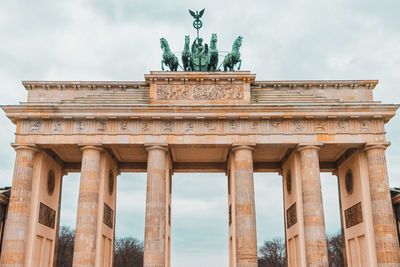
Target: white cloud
<point>119,40</point>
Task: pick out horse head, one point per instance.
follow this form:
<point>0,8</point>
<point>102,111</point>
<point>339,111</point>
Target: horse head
<point>164,43</point>
<point>187,41</point>
<point>238,42</point>
<point>213,41</point>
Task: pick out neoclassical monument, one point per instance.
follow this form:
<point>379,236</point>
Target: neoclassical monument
<point>201,122</point>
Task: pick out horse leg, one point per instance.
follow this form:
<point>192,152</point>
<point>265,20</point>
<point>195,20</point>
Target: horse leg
<point>162,65</point>
<point>240,64</point>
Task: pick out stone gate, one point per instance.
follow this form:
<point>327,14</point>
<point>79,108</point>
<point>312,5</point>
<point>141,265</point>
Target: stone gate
<point>201,122</point>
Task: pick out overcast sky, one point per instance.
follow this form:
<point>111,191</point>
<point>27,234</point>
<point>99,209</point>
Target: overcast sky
<point>119,40</point>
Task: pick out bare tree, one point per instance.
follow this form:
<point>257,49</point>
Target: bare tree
<point>272,254</point>
<point>128,252</point>
<point>65,247</point>
<point>335,250</point>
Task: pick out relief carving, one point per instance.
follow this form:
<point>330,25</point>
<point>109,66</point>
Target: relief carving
<point>167,126</point>
<point>291,216</point>
<point>341,126</point>
<point>199,92</point>
<point>320,126</point>
<point>123,126</point>
<point>47,215</point>
<point>35,126</point>
<point>188,127</point>
<point>146,126</point>
<point>299,125</point>
<point>101,126</point>
<point>276,126</point>
<point>108,216</point>
<point>210,126</point>
<point>254,126</point>
<point>80,126</point>
<point>57,126</point>
<point>353,215</point>
<point>365,126</point>
<point>232,126</point>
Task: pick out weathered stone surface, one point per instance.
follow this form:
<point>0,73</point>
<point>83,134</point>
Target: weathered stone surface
<point>17,224</point>
<point>199,116</point>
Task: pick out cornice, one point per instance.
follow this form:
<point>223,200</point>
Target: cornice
<point>331,111</point>
<point>198,76</point>
<point>308,84</point>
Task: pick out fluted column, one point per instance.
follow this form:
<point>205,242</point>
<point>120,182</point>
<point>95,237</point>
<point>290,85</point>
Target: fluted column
<point>387,249</point>
<point>86,219</point>
<point>245,212</point>
<point>155,224</point>
<point>16,229</point>
<point>313,211</point>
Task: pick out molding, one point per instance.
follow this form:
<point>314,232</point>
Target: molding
<point>304,146</point>
<point>91,147</point>
<point>163,147</point>
<point>29,147</point>
<point>382,145</point>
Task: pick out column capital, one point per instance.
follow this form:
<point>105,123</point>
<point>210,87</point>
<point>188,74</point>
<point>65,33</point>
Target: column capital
<point>30,147</point>
<point>163,147</point>
<point>303,146</point>
<point>91,146</point>
<point>381,145</point>
<point>236,147</point>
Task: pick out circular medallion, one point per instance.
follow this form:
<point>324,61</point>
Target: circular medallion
<point>51,180</point>
<point>288,182</point>
<point>197,24</point>
<point>349,182</point>
<point>111,183</point>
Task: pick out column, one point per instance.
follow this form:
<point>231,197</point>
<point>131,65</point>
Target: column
<point>387,250</point>
<point>155,224</point>
<point>86,219</point>
<point>245,213</point>
<point>16,230</point>
<point>313,212</point>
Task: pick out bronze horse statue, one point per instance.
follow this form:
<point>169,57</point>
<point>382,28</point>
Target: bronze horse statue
<point>233,57</point>
<point>168,58</point>
<point>212,57</point>
<point>187,59</point>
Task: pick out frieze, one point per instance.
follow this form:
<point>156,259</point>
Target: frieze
<point>201,126</point>
<point>200,92</point>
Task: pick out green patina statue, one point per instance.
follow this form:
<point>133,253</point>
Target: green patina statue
<point>187,59</point>
<point>212,57</point>
<point>201,57</point>
<point>233,57</point>
<point>168,58</point>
